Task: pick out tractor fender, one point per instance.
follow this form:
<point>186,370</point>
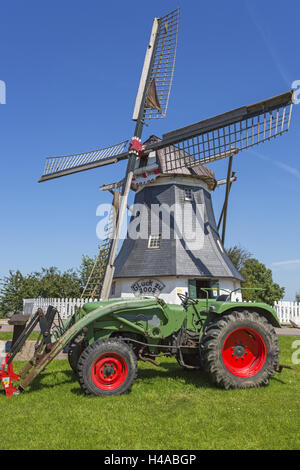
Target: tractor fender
<point>261,308</point>
<point>100,313</point>
<point>76,327</point>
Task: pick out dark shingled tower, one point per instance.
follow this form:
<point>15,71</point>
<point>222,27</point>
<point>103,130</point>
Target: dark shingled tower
<point>206,264</point>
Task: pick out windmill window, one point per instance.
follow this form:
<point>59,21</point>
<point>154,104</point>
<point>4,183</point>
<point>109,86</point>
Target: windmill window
<point>143,162</point>
<point>188,194</point>
<point>154,241</point>
<point>113,288</point>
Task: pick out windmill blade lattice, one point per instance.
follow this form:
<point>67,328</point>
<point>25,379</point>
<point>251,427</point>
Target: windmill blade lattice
<point>162,72</point>
<point>68,164</point>
<point>224,135</point>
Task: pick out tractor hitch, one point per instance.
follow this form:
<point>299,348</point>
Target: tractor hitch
<point>281,366</point>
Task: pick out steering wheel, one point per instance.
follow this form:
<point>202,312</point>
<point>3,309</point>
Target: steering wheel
<point>186,300</point>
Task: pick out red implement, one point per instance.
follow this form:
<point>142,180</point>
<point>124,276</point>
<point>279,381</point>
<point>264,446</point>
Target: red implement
<point>7,376</point>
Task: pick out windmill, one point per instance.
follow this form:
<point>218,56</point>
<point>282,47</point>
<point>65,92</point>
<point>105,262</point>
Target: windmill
<point>193,146</point>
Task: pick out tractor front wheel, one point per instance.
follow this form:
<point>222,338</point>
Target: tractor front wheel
<point>240,350</point>
<point>77,345</point>
<point>107,367</point>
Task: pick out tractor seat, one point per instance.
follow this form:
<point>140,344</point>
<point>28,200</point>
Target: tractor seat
<point>222,298</point>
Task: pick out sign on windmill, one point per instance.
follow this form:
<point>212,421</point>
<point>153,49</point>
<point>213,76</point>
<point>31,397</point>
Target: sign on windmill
<point>203,142</point>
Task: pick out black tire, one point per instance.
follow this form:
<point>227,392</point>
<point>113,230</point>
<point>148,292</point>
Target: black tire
<point>232,364</point>
<point>77,345</point>
<point>107,367</point>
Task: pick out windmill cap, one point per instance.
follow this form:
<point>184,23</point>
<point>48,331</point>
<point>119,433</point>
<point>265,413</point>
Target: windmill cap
<point>200,171</point>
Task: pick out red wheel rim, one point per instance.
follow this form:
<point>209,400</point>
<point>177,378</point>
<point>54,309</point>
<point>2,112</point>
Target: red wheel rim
<point>109,371</point>
<point>244,352</point>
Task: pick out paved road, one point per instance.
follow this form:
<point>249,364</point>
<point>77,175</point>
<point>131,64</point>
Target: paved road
<point>5,328</point>
<point>285,331</point>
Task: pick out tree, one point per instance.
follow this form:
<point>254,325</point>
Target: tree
<point>85,268</point>
<point>297,297</point>
<point>258,276</point>
<point>238,256</point>
<point>12,290</point>
<point>50,282</point>
<point>258,285</point>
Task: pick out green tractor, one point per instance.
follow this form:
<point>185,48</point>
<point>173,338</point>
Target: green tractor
<point>235,343</point>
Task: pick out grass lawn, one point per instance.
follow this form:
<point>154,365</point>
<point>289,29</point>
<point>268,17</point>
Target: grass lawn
<point>168,408</point>
<point>8,335</point>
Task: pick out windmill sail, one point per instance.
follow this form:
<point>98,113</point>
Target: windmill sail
<point>152,100</point>
<point>158,70</point>
<point>222,136</point>
<point>69,164</point>
<point>157,73</point>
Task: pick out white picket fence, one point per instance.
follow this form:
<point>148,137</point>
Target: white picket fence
<point>65,307</point>
<point>285,310</point>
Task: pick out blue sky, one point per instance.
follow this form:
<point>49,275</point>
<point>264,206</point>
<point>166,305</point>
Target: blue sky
<point>72,70</point>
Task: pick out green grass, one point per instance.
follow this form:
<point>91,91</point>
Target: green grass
<point>8,335</point>
<point>168,408</point>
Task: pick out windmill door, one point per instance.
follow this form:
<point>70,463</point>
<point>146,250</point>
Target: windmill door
<point>196,287</point>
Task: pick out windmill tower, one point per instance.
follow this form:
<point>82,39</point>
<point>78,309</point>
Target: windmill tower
<point>174,169</point>
<point>172,244</point>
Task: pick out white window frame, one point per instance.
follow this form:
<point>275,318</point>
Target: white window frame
<point>188,197</point>
<point>154,241</point>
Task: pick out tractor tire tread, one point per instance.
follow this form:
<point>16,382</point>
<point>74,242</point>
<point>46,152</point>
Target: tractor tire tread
<point>90,354</point>
<point>77,345</point>
<point>210,347</point>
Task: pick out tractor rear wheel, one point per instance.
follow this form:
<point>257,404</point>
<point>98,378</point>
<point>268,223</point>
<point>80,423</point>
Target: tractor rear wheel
<point>107,367</point>
<point>240,350</point>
